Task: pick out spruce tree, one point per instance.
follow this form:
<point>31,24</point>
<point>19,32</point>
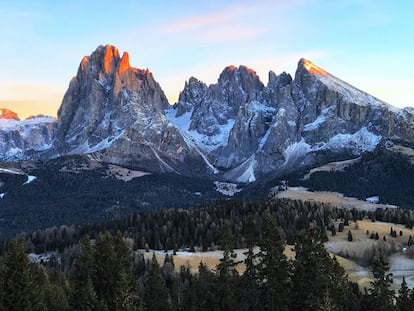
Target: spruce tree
<point>227,274</point>
<point>273,268</point>
<point>83,293</point>
<point>17,291</point>
<point>380,294</point>
<point>318,280</point>
<point>249,297</point>
<point>403,299</point>
<point>156,294</point>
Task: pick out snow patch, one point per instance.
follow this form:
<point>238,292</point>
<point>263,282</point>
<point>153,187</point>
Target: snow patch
<point>105,143</point>
<point>38,258</point>
<point>319,120</point>
<point>294,153</point>
<point>207,143</point>
<point>226,188</point>
<point>362,140</point>
<point>30,178</point>
<point>2,195</point>
<point>248,175</point>
<point>8,171</point>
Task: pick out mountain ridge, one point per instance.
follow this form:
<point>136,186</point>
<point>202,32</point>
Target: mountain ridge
<point>237,129</point>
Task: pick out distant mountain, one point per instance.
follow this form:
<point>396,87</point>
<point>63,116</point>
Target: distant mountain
<point>237,129</point>
<point>27,139</point>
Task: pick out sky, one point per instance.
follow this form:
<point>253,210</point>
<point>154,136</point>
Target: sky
<point>369,44</point>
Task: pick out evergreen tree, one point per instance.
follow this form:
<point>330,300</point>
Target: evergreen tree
<point>112,274</point>
<point>17,290</point>
<point>249,297</point>
<point>273,268</point>
<point>83,293</point>
<point>201,295</point>
<point>125,292</point>
<point>403,299</point>
<point>380,295</point>
<point>156,294</point>
<point>227,273</point>
<point>318,280</point>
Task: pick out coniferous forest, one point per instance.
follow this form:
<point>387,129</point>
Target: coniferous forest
<point>98,267</point>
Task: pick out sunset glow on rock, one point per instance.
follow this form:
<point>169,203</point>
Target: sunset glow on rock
<point>8,114</point>
<point>313,69</point>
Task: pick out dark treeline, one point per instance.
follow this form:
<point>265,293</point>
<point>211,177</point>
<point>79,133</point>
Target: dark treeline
<point>105,274</point>
<point>61,196</point>
<point>173,229</point>
<point>389,175</point>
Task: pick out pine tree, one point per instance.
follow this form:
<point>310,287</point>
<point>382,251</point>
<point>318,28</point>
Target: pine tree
<point>125,292</point>
<point>17,290</point>
<point>104,274</point>
<point>112,274</point>
<point>249,297</point>
<point>403,299</point>
<point>273,268</point>
<point>156,294</point>
<point>227,273</point>
<point>380,295</point>
<point>317,278</point>
<point>201,295</point>
<point>83,293</point>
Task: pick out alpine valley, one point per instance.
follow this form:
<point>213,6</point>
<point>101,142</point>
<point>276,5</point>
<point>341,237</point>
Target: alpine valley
<point>117,141</point>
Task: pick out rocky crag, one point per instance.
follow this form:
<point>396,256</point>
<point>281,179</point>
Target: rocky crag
<point>237,129</point>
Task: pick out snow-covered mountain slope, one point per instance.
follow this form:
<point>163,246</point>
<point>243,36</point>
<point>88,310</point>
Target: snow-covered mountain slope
<point>237,129</point>
<point>286,124</point>
<point>25,139</point>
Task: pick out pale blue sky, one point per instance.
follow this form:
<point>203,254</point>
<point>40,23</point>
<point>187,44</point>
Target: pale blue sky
<point>366,43</point>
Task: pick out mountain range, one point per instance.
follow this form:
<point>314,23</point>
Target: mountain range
<point>237,129</point>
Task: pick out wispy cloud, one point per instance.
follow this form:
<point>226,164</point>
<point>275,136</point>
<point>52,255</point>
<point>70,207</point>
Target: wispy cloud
<point>231,24</point>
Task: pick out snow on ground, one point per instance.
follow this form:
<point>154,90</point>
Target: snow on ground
<point>402,266</point>
<point>207,143</point>
<point>30,178</point>
<point>319,120</point>
<point>9,171</point>
<point>103,144</point>
<point>362,140</point>
<point>226,188</point>
<point>248,175</point>
<point>37,258</point>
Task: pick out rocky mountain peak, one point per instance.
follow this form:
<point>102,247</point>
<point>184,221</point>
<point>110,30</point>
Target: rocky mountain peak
<point>103,99</point>
<point>8,114</point>
<point>311,67</point>
<point>242,76</point>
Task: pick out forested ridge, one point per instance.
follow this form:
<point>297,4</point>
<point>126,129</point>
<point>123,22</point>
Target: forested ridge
<point>383,173</point>
<point>96,267</point>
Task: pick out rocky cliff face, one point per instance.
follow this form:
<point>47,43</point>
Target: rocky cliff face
<point>119,111</point>
<point>20,140</point>
<point>286,124</point>
<point>236,129</point>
